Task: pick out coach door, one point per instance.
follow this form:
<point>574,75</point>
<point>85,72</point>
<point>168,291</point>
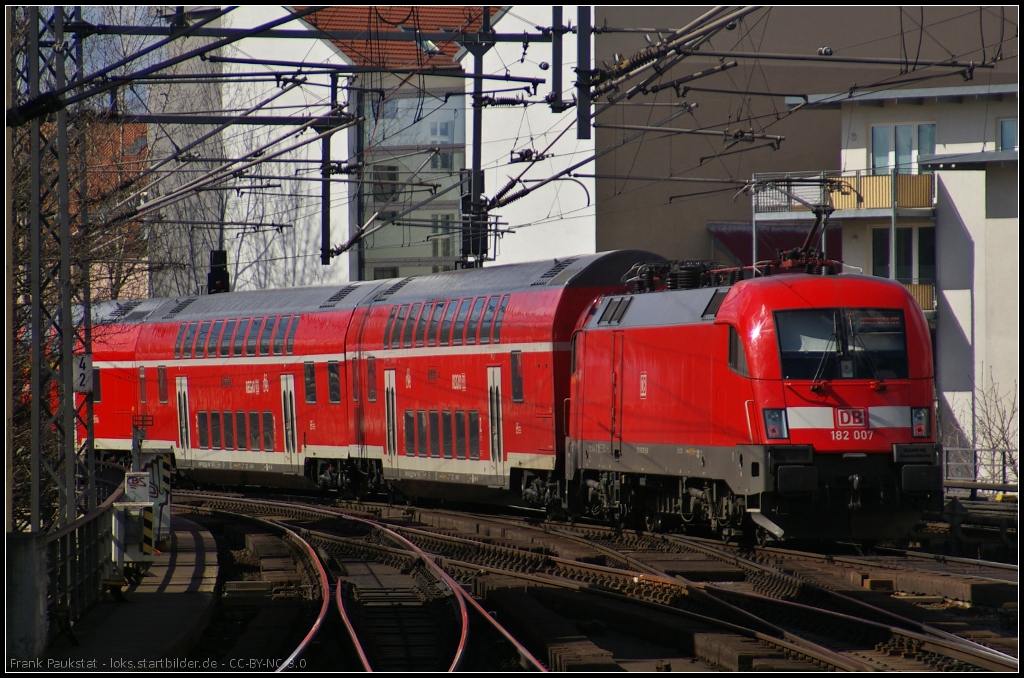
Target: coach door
<point>390,421</point>
<point>291,453</point>
<point>184,442</point>
<point>497,448</point>
<point>616,393</point>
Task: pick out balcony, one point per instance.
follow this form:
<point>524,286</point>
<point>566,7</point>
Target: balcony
<point>924,294</point>
<point>856,192</point>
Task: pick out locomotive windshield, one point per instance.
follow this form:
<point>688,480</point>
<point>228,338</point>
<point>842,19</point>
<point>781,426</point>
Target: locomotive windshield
<point>842,343</point>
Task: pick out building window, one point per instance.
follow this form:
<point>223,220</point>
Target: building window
<point>1008,134</point>
<point>915,254</point>
<point>384,179</point>
<point>385,272</point>
<point>900,146</point>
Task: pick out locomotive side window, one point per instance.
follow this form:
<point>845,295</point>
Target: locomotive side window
<point>142,384</point>
<point>290,338</point>
<point>309,370</point>
<point>371,379</point>
<point>211,343</point>
<point>390,326</point>
<point>354,366</point>
<point>238,347</point>
<point>435,434</point>
<point>517,376</point>
<point>186,349</point>
<point>421,433</point>
<point>446,434</point>
<point>460,434</point>
<point>225,341</point>
<point>435,322</point>
<point>254,430</point>
<point>498,318</point>
<point>229,430</point>
<point>446,324</point>
<point>421,324</point>
<point>180,341</point>
<point>161,383</point>
<point>265,336</point>
<point>460,322</point>
<point>268,431</point>
<point>485,328</point>
<point>240,429</point>
<point>282,326</point>
<point>410,434</point>
<point>96,394</point>
<point>410,325</point>
<point>474,320</point>
<point>202,423</point>
<point>204,329</point>
<point>333,381</point>
<point>215,430</point>
<point>396,331</point>
<point>253,336</point>
<point>474,434</point>
<point>737,354</point>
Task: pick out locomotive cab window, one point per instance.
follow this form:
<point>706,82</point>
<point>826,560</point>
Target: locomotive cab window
<point>825,344</point>
<point>737,354</point>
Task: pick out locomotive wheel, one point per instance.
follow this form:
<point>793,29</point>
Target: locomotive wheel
<point>763,536</point>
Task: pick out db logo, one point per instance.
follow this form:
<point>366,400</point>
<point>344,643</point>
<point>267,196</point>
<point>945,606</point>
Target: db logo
<point>851,417</point>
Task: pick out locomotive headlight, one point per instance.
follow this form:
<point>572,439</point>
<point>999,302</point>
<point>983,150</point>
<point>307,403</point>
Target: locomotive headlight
<point>920,422</point>
<point>775,424</point>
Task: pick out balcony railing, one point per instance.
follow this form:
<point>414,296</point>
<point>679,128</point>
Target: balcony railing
<point>923,293</point>
<point>858,190</point>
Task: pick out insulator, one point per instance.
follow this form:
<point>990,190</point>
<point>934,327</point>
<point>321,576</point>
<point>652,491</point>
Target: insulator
<point>684,278</point>
<point>505,101</point>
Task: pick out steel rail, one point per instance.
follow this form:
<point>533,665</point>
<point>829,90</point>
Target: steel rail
<point>340,604</point>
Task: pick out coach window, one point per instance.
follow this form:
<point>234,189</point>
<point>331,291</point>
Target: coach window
<point>282,326</point>
<point>354,366</point>
<point>396,331</point>
<point>268,431</point>
<point>95,384</point>
<point>460,434</point>
<point>421,433</point>
<point>410,434</point>
<point>254,430</point>
<point>265,335</point>
<point>310,373</point>
<point>161,383</point>
<point>474,320</point>
<point>371,379</point>
<point>333,381</point>
<point>435,322</point>
<point>410,325</point>
<point>460,322</point>
<point>268,331</point>
<point>474,434</point>
<point>211,343</point>
<point>180,341</point>
<point>390,326</point>
<point>238,347</point>
<point>517,376</point>
<point>240,429</point>
<point>225,341</point>
<point>737,355</point>
<point>142,384</point>
<point>253,336</point>
<point>421,324</point>
<point>229,430</point>
<point>485,328</point>
<point>290,341</point>
<point>204,329</point>
<point>446,434</point>
<point>496,335</point>
<point>215,430</point>
<point>186,349</point>
<point>435,434</point>
<point>202,423</point>
<point>446,324</point>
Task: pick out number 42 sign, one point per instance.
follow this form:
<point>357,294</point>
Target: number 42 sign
<point>83,373</point>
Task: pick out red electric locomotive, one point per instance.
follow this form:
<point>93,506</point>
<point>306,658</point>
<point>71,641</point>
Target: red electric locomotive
<point>799,404</point>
